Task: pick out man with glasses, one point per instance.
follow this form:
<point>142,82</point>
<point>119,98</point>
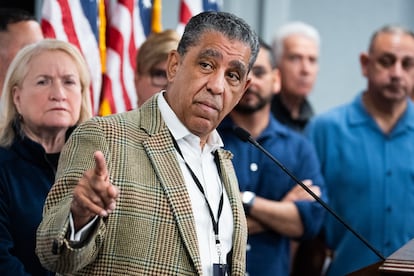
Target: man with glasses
<point>277,208</point>
<point>150,76</point>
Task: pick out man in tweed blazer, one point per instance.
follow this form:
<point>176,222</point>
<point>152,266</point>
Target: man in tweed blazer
<point>124,201</point>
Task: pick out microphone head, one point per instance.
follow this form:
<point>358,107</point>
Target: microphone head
<point>242,134</point>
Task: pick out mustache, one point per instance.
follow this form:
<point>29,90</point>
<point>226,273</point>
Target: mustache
<point>395,86</point>
<point>244,108</point>
<point>255,93</point>
<point>251,92</point>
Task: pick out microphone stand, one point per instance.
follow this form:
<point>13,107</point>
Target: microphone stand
<point>246,137</point>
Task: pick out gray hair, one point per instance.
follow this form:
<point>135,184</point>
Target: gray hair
<point>16,74</point>
<point>389,29</point>
<point>227,24</point>
<point>293,28</point>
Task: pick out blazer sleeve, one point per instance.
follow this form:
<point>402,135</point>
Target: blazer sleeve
<point>53,248</point>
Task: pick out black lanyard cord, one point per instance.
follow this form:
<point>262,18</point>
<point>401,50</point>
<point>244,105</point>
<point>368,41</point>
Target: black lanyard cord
<point>200,187</point>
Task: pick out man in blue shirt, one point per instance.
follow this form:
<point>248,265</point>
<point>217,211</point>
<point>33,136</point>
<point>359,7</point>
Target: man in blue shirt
<point>277,208</point>
<point>366,149</point>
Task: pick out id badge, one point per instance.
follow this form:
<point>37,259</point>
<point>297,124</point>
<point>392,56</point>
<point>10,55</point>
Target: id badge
<point>220,269</point>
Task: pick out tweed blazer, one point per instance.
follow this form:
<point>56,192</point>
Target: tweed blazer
<point>152,230</point>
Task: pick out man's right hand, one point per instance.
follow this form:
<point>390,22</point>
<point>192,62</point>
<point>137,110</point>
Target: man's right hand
<point>298,193</point>
<point>94,195</point>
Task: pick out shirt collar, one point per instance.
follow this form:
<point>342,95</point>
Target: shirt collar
<point>180,131</point>
<point>359,115</point>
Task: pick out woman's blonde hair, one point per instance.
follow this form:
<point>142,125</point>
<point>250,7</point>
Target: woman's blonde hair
<point>17,72</point>
<point>155,49</point>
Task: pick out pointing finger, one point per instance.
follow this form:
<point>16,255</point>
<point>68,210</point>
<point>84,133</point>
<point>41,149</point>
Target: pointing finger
<point>100,164</point>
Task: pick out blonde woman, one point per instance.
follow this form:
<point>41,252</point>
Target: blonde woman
<point>45,95</point>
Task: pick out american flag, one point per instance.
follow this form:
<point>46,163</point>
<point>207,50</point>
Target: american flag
<point>129,22</point>
<point>109,33</point>
<point>122,41</point>
<point>76,21</point>
<point>189,8</point>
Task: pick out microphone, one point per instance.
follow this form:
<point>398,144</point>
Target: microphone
<point>245,136</point>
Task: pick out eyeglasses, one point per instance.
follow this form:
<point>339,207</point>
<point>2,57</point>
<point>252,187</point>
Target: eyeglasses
<point>158,77</point>
<point>259,71</point>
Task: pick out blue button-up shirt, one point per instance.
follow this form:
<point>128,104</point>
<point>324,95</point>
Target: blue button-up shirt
<point>370,181</point>
<point>269,252</point>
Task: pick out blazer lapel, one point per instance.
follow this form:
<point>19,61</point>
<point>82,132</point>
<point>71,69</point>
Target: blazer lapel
<point>160,150</point>
<point>240,227</point>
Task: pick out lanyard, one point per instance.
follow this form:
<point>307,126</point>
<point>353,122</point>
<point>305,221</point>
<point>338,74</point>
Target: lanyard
<point>200,187</point>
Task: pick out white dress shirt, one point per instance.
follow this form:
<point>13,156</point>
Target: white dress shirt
<point>201,161</point>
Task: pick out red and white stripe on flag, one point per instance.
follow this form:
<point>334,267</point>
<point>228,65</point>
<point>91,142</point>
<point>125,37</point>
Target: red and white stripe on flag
<point>118,92</point>
<point>129,22</point>
<point>189,8</point>
<point>75,21</point>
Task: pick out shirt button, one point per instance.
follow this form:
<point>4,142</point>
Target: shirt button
<point>248,247</point>
<point>388,173</point>
<point>253,167</point>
